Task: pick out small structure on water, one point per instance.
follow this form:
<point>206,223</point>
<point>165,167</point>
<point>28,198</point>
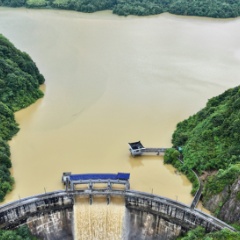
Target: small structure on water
<point>136,148</point>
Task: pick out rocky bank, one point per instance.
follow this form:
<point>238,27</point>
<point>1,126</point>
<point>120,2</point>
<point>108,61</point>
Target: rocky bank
<point>226,204</point>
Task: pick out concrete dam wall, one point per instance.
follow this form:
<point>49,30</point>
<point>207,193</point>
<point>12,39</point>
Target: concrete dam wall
<point>49,216</point>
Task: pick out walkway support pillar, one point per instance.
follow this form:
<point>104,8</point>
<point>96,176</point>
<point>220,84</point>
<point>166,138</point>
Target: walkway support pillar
<point>90,186</point>
<point>90,199</point>
<point>127,186</point>
<point>72,186</point>
<point>109,186</point>
<point>67,184</point>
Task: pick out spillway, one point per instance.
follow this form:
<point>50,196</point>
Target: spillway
<point>99,221</point>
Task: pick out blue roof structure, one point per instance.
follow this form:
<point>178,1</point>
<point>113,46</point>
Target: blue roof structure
<point>89,176</point>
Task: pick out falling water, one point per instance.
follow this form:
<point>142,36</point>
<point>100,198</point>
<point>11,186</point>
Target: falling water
<point>99,221</point>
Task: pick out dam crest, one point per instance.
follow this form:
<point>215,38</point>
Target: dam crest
<point>50,215</point>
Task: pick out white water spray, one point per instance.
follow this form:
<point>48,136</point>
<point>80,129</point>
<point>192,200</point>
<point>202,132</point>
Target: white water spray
<point>99,221</point>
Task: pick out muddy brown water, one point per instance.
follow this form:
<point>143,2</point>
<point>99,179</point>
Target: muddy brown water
<point>112,80</point>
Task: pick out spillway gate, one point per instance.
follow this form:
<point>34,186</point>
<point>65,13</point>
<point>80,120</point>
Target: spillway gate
<point>70,180</point>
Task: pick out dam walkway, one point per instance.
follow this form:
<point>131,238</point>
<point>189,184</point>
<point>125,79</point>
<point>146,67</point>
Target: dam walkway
<point>26,210</point>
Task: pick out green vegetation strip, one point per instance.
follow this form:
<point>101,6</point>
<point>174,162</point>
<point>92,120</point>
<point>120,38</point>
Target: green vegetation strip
<point>199,234</point>
<point>204,8</point>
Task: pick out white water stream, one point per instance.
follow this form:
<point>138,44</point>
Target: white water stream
<point>99,221</point>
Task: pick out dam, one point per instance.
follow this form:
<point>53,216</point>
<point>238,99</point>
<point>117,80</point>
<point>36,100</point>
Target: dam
<point>52,215</point>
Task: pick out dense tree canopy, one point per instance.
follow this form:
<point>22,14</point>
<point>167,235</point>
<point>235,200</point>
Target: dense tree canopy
<point>199,234</point>
<point>216,183</point>
<point>207,8</point>
<point>19,77</point>
<point>19,83</point>
<point>210,138</point>
<point>21,233</point>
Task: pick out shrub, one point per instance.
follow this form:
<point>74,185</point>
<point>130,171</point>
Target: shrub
<point>21,233</point>
<point>200,234</point>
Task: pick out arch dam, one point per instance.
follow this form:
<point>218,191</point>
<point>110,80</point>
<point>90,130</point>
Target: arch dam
<point>50,215</point>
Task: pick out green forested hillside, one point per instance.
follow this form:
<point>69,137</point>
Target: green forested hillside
<point>210,139</point>
<point>19,77</point>
<point>19,83</point>
<point>207,8</point>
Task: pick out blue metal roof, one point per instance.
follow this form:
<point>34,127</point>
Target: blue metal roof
<point>89,176</point>
<point>125,176</point>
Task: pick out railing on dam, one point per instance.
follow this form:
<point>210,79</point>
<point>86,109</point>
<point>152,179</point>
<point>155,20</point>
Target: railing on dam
<point>198,194</point>
<point>15,213</point>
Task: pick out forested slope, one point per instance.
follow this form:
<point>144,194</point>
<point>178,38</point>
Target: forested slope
<point>210,140</point>
<point>19,83</point>
<point>206,8</point>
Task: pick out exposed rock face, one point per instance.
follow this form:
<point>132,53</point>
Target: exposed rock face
<point>230,211</point>
<point>212,203</point>
<point>227,201</point>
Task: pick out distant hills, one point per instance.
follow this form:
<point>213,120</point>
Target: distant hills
<point>202,8</point>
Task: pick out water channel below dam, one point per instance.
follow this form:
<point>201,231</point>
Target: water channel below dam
<point>112,80</point>
<point>100,221</point>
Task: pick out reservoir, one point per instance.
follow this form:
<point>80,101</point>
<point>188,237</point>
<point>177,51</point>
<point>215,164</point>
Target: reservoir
<point>111,80</point>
